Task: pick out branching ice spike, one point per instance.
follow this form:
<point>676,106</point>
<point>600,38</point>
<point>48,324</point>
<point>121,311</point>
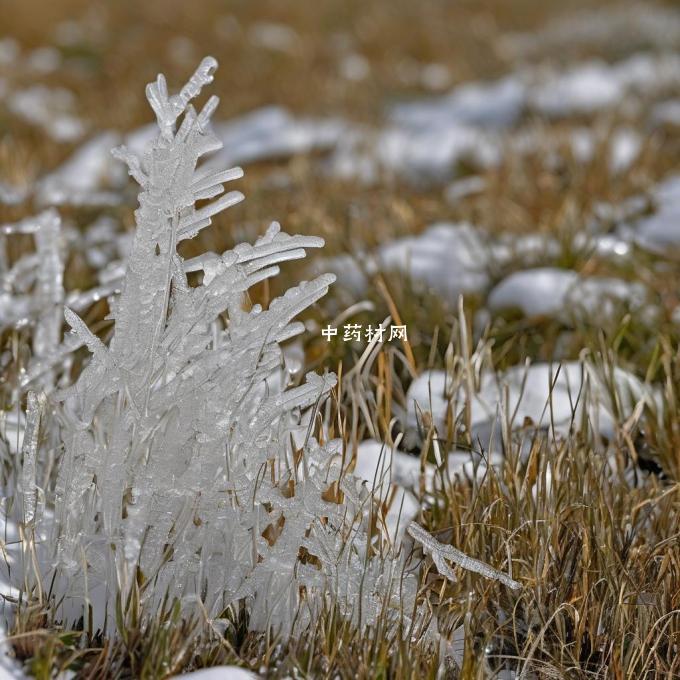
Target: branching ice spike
<point>123,154</point>
<point>440,553</point>
<point>89,339</point>
<point>168,109</point>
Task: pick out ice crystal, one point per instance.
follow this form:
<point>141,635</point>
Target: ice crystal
<point>179,463</point>
<point>36,405</point>
<point>189,468</point>
<point>440,553</point>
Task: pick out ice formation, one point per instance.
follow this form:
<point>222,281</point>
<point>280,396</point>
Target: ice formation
<point>176,459</point>
<point>442,553</point>
<point>189,468</point>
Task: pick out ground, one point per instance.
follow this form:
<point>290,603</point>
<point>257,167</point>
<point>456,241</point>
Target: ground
<point>585,171</point>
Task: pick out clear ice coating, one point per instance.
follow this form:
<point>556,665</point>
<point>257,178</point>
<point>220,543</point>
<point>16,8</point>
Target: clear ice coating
<point>178,462</point>
<point>179,473</point>
<point>440,553</point>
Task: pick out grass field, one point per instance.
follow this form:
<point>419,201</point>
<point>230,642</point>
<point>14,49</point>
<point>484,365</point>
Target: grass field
<point>589,526</point>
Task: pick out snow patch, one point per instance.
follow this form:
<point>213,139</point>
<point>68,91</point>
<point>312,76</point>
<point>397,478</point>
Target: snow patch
<point>449,258</point>
<point>661,231</point>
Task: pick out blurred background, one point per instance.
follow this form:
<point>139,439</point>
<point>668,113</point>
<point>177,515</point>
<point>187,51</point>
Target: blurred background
<point>367,123</point>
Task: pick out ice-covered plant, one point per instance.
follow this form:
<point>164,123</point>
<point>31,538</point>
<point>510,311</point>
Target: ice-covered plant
<point>180,466</point>
<point>189,468</point>
<point>31,289</point>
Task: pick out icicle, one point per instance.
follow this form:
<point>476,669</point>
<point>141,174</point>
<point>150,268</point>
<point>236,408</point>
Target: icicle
<point>29,452</point>
<point>189,226</point>
<point>50,283</point>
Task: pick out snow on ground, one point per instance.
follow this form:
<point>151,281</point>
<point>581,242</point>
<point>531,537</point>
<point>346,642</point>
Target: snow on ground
<point>453,259</point>
<point>50,109</point>
<point>584,88</point>
<point>82,177</point>
<point>12,195</point>
<point>269,133</point>
<point>626,145</point>
<point>467,186</point>
<point>666,112</point>
<point>596,85</point>
<point>545,395</point>
<point>384,468</point>
<point>661,230</point>
<point>449,258</point>
<point>526,249</point>
<point>564,294</point>
<point>396,476</point>
<point>9,669</point>
<point>424,141</point>
<point>537,292</point>
<point>351,271</point>
<point>496,104</point>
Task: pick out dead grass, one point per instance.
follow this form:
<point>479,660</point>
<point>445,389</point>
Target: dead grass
<point>594,546</point>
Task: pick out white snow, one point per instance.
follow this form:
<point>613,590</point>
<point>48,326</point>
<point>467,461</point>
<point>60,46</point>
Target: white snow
<point>595,85</point>
<point>80,177</point>
<point>604,245</point>
<point>12,195</point>
<point>562,294</point>
<point>666,112</point>
<point>431,154</point>
<point>661,230</point>
<point>9,668</point>
<point>467,186</point>
<point>271,132</point>
<point>545,394</point>
<point>449,258</point>
<point>44,60</point>
<point>377,463</point>
<point>267,133</point>
<point>599,297</point>
<point>49,109</point>
<point>355,67</point>
<point>529,250</point>
<point>582,144</point>
<point>584,89</point>
<point>536,292</point>
<point>625,147</point>
<point>351,271</point>
<point>496,104</point>
<point>384,469</point>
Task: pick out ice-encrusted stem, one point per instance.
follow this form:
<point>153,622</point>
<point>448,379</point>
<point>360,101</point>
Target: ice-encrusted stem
<point>190,464</point>
<point>29,452</point>
<point>440,553</point>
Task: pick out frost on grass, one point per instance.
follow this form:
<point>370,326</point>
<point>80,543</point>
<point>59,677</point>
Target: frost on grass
<point>442,554</point>
<point>189,469</point>
<point>177,466</point>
